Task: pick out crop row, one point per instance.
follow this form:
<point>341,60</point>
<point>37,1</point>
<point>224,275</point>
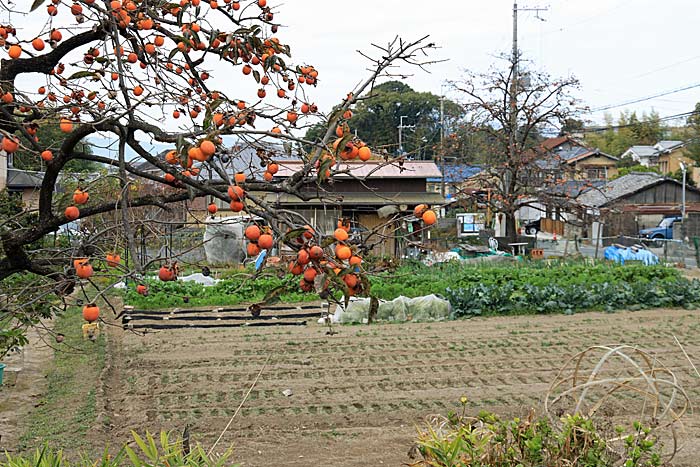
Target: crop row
<point>432,348</point>
<point>511,298</point>
<point>415,280</point>
<point>182,391</point>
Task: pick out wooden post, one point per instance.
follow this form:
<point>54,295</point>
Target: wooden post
<point>488,207</point>
<point>373,309</point>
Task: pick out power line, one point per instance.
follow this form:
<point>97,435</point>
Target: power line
<point>589,19</point>
<point>628,125</point>
<point>665,67</point>
<point>643,99</point>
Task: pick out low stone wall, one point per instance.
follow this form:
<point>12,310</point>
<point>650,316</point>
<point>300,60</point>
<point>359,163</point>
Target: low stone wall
<point>689,228</point>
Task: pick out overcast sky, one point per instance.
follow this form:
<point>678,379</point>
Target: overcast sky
<point>620,50</point>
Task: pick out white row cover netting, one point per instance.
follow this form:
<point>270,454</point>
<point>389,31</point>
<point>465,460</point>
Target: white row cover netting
<point>420,309</point>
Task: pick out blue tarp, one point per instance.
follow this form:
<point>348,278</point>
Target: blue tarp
<point>260,260</point>
<point>620,255</point>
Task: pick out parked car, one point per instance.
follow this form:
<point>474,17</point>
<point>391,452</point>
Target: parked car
<point>663,231</point>
<point>358,233</point>
<point>532,227</point>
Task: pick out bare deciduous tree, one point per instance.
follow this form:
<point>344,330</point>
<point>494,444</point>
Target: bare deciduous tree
<point>514,116</point>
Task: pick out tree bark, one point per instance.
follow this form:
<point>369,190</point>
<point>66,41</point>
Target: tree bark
<point>124,204</point>
<point>511,232</point>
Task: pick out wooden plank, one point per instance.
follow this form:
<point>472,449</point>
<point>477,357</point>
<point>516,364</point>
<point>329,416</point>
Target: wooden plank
<point>370,222</point>
<point>139,317</point>
<point>242,309</point>
<point>211,325</point>
<point>552,226</point>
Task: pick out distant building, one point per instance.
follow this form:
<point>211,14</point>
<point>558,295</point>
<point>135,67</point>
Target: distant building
<point>648,156</point>
<point>566,158</point>
<point>455,175</point>
<point>632,202</point>
<point>671,155</point>
<point>666,156</point>
<point>24,184</point>
<point>366,193</point>
<point>560,169</point>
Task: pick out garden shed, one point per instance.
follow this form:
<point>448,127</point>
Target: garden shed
<point>633,202</point>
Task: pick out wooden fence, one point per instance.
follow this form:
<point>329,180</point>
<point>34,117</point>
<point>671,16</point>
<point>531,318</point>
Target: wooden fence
<point>552,226</point>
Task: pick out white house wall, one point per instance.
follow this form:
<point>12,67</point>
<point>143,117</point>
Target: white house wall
<point>3,170</point>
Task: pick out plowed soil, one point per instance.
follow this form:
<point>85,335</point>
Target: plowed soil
<point>357,396</point>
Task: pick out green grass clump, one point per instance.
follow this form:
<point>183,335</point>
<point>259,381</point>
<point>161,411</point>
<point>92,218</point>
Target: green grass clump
<point>237,289</point>
<point>467,441</point>
<point>68,409</point>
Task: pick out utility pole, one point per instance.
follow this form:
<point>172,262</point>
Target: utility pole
<point>401,127</point>
<point>514,85</point>
<point>683,169</point>
<point>442,144</point>
<point>513,98</point>
<point>515,78</point>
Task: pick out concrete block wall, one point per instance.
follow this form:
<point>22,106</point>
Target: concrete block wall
<point>691,226</point>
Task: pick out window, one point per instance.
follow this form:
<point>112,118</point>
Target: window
<point>667,222</point>
<point>470,224</point>
<point>663,166</point>
<point>324,220</point>
<point>597,173</point>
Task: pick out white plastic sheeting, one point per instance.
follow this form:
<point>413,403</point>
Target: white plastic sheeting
<point>200,278</point>
<point>427,308</point>
<point>223,240</point>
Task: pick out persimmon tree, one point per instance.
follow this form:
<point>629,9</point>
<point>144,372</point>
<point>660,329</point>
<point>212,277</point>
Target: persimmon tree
<point>157,71</point>
<point>511,114</point>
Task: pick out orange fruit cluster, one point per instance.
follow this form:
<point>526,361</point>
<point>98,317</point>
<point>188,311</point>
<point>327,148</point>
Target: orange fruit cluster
<point>170,43</point>
<point>312,260</point>
<point>424,213</point>
<point>259,239</point>
<point>162,63</point>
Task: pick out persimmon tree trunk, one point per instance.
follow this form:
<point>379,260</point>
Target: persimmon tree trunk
<point>511,231</point>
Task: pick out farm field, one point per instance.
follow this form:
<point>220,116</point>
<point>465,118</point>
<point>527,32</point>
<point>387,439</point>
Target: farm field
<point>358,395</point>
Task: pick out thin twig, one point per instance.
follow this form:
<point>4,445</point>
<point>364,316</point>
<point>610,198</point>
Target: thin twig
<point>686,356</point>
<point>228,425</point>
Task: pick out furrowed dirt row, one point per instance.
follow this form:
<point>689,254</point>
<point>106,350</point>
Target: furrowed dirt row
<point>358,395</point>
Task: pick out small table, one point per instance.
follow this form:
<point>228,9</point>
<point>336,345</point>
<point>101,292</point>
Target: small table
<point>516,247</point>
